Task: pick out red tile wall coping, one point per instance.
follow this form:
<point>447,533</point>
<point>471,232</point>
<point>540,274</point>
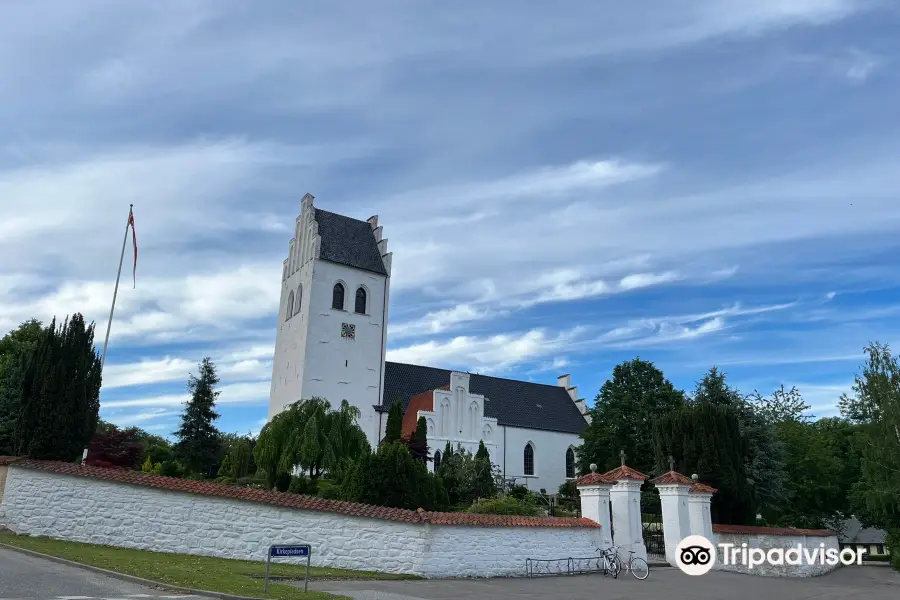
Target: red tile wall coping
<point>595,479</point>
<point>672,478</point>
<point>702,488</point>
<point>8,460</point>
<point>295,501</point>
<point>752,529</point>
<point>624,472</point>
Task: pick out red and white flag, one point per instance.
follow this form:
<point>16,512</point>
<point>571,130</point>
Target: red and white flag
<point>134,240</point>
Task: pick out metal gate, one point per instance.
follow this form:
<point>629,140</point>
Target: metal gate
<point>652,526</point>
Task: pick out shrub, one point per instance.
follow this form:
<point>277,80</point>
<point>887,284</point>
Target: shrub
<point>303,485</point>
<point>503,505</point>
<point>171,468</point>
<point>568,490</point>
<point>392,477</point>
<point>283,482</point>
<point>877,557</point>
<point>330,492</point>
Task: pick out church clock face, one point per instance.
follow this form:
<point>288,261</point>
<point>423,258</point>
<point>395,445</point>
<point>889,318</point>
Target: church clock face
<point>348,330</point>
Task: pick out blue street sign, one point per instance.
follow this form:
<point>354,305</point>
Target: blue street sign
<point>289,551</point>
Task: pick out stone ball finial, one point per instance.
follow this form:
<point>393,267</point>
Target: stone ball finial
<point>695,478</point>
<point>593,467</point>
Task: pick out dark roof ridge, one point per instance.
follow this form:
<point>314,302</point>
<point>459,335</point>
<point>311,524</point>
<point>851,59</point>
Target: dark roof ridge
<point>549,385</point>
<point>331,212</point>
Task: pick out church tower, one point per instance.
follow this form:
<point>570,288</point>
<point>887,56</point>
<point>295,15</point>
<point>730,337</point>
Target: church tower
<point>332,321</point>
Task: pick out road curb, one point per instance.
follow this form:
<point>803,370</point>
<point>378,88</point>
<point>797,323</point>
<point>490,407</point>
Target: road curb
<point>124,577</point>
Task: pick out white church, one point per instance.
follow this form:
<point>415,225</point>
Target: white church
<point>332,340</point>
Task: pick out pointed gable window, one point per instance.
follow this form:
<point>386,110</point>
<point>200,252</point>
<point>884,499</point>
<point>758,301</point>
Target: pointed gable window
<point>361,301</point>
<point>570,464</point>
<point>529,459</point>
<point>337,296</point>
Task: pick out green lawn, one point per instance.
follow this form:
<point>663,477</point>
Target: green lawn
<point>197,572</point>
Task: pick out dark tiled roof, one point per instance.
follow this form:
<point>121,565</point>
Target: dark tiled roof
<point>512,403</point>
<point>752,529</point>
<point>348,242</point>
<point>854,532</point>
<point>294,501</point>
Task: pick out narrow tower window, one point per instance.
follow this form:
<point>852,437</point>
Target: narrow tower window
<point>290,306</point>
<point>337,296</point>
<point>299,298</point>
<point>361,301</point>
<point>570,463</point>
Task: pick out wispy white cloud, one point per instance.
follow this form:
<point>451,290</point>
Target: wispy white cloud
<point>493,353</point>
<point>247,392</point>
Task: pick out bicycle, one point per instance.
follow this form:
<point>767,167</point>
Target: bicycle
<point>638,566</point>
<point>610,558</point>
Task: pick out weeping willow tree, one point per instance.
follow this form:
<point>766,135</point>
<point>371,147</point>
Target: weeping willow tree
<point>312,436</point>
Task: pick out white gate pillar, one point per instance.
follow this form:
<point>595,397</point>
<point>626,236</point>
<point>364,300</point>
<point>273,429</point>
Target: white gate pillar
<point>674,490</point>
<point>627,524</point>
<point>594,492</point>
<point>699,505</point>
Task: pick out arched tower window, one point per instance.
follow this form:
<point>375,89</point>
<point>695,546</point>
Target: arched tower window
<point>529,459</point>
<point>361,301</point>
<point>337,296</point>
<point>298,299</point>
<point>570,463</point>
<point>437,460</point>
<point>290,306</point>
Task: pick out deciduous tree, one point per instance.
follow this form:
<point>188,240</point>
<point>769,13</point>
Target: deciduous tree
<point>623,415</point>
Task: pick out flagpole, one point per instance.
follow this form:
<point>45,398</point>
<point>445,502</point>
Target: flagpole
<point>116,289</point>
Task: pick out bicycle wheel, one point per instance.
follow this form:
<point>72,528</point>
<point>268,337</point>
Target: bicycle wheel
<point>614,567</point>
<point>639,568</point>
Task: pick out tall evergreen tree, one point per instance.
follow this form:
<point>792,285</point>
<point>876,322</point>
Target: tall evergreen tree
<point>763,452</point>
<point>418,441</point>
<point>60,392</point>
<point>623,414</point>
<point>705,438</point>
<point>394,428</point>
<point>198,438</point>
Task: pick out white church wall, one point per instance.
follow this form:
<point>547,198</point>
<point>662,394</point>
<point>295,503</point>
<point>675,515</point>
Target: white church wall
<point>339,368</point>
<point>290,343</point>
<point>549,456</point>
<point>50,499</point>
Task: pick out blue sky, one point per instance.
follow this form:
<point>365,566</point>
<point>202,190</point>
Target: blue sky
<point>695,182</point>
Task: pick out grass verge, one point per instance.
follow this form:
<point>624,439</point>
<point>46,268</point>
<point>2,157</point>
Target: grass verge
<point>237,577</point>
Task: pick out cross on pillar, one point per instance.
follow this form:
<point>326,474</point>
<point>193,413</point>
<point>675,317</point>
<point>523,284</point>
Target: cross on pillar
<point>622,457</point>
<point>671,463</point>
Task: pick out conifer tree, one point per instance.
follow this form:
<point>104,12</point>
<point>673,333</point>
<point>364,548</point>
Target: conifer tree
<point>394,428</point>
<point>418,442</point>
<point>198,438</point>
<point>60,393</point>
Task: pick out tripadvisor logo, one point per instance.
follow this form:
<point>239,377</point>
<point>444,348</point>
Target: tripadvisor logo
<point>696,555</point>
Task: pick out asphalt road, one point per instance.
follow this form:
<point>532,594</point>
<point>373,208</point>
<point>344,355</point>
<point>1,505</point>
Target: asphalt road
<point>24,577</point>
<point>866,583</point>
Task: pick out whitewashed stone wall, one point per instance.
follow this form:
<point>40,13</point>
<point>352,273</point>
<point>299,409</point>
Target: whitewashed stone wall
<point>767,542</point>
<point>116,514</point>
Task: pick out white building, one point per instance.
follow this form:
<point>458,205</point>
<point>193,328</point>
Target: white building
<point>331,343</point>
